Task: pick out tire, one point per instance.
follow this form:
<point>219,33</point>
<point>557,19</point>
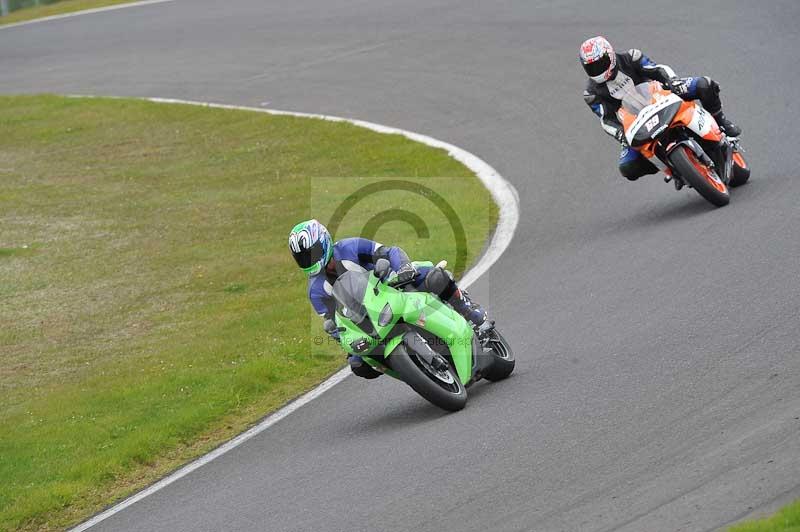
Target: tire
<point>414,371</point>
<point>703,179</point>
<point>503,363</point>
<point>741,170</point>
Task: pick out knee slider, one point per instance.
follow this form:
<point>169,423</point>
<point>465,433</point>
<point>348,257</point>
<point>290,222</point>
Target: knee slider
<point>365,371</point>
<point>705,85</point>
<point>629,171</point>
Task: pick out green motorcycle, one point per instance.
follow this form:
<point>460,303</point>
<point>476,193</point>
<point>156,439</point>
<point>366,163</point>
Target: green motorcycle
<point>415,337</point>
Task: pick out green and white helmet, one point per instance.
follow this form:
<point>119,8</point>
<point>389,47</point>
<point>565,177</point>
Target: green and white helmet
<point>311,246</point>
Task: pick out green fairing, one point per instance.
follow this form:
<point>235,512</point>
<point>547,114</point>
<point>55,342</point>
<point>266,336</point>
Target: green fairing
<point>421,309</point>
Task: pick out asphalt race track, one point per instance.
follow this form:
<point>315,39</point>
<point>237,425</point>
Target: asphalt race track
<point>658,375</point>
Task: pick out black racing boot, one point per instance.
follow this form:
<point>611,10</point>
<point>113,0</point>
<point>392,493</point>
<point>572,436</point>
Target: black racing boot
<point>730,129</point>
<point>472,312</point>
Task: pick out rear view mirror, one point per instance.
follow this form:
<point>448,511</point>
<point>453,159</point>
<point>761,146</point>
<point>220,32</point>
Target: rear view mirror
<point>382,269</point>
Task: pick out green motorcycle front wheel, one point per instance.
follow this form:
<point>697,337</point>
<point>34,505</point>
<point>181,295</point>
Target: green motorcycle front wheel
<point>441,387</point>
<point>503,358</point>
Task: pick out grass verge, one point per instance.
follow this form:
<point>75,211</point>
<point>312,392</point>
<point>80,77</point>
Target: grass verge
<point>786,520</point>
<point>149,308</point>
<point>57,8</point>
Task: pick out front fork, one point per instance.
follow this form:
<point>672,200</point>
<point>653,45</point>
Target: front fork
<point>723,156</point>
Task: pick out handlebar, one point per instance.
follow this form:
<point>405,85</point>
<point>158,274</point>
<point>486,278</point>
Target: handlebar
<point>394,283</point>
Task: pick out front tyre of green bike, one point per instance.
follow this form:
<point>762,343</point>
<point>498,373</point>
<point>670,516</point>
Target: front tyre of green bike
<point>441,387</point>
<point>503,358</point>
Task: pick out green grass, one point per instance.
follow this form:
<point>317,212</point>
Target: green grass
<point>149,308</point>
<point>786,520</point>
<point>57,8</point>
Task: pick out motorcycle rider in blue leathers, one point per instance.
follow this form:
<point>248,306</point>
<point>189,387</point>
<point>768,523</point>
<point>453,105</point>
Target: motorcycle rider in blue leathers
<point>324,261</point>
<point>613,75</point>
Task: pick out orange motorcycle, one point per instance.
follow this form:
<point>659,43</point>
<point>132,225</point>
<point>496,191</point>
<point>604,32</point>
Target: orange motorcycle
<point>684,141</point>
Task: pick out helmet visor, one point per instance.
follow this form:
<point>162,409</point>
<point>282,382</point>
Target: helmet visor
<point>596,68</point>
<point>309,257</point>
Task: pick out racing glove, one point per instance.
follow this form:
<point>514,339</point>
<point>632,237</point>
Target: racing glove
<point>406,273</point>
<point>331,328</point>
<point>678,86</point>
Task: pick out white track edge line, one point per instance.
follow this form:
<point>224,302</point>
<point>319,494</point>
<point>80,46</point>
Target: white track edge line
<point>82,12</point>
<point>503,194</point>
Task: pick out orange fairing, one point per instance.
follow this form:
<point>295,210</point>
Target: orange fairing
<point>714,134</point>
<point>648,150</point>
<point>626,117</point>
<point>685,114</point>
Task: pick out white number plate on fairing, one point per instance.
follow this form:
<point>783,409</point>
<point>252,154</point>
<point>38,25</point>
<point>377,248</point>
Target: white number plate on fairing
<point>649,112</point>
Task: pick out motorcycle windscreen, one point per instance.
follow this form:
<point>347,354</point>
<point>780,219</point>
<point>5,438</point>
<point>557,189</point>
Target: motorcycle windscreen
<point>634,102</point>
<point>349,291</point>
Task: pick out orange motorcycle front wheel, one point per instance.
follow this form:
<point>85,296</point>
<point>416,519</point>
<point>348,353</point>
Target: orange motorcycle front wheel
<point>699,176</point>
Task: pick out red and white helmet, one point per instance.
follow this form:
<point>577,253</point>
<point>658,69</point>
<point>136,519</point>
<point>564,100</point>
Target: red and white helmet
<point>598,59</point>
